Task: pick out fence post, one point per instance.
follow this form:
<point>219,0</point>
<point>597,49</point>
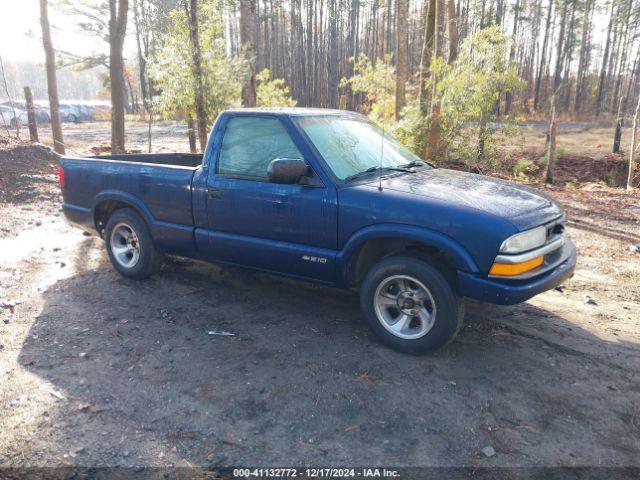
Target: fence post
<point>31,115</point>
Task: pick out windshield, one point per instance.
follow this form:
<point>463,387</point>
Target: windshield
<point>350,146</point>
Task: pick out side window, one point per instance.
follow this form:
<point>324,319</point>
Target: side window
<point>250,143</point>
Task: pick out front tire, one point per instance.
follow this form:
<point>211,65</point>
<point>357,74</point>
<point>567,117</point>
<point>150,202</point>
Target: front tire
<point>130,245</point>
<point>410,305</point>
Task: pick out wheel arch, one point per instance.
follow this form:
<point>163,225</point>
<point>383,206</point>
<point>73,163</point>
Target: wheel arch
<point>370,245</point>
<point>110,201</point>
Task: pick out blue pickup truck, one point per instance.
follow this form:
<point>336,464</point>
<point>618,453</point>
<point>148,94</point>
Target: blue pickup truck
<point>325,196</point>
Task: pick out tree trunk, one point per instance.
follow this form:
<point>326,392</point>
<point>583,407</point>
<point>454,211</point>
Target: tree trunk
<point>332,65</point>
<point>632,150</point>
<point>149,125</point>
<point>402,11</point>
<point>16,120</point>
<point>512,53</point>
<point>191,8</point>
<point>31,115</point>
<point>426,57</point>
<point>440,28</point>
<point>248,24</point>
<point>118,10</point>
<point>618,133</point>
<point>551,150</point>
<point>626,43</point>
<point>543,57</point>
<point>388,38</point>
<point>584,57</point>
<point>567,56</point>
<point>605,58</point>
<point>452,30</point>
<point>557,77</point>
<point>482,137</point>
<point>309,98</point>
<point>191,133</point>
<point>434,147</point>
<point>142,50</point>
<point>52,82</point>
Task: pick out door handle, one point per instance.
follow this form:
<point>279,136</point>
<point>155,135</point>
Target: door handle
<point>214,194</point>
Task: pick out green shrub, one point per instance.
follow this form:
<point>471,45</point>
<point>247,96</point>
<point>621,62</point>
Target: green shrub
<point>272,93</point>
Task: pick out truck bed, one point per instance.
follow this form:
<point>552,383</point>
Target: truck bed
<point>191,160</point>
<point>158,185</point>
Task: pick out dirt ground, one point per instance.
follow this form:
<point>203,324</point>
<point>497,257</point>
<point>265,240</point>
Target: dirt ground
<point>100,371</point>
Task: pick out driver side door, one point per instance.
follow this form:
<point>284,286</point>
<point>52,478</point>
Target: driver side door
<point>285,228</point>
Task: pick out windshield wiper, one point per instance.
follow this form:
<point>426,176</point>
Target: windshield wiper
<point>417,163</point>
<point>375,169</point>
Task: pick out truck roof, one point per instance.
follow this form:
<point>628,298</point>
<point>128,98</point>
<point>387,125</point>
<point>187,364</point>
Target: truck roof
<point>296,111</point>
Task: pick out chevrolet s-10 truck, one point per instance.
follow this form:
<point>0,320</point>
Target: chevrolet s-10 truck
<point>325,196</point>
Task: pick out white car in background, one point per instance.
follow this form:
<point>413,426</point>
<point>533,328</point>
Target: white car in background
<point>13,120</point>
<point>70,113</point>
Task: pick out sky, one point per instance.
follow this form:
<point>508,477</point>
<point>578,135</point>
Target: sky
<point>20,34</point>
<point>18,19</point>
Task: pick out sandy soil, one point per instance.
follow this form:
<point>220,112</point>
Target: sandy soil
<point>576,137</point>
<point>80,138</point>
<point>98,370</point>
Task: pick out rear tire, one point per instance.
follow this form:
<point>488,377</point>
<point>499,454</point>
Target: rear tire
<point>130,245</point>
<point>410,305</point>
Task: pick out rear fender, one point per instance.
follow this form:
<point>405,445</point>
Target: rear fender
<point>124,197</point>
<point>169,237</point>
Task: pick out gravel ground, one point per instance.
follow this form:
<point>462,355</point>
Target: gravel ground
<point>100,371</point>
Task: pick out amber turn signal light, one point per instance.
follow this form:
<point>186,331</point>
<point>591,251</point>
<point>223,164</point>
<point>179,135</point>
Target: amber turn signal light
<point>511,269</point>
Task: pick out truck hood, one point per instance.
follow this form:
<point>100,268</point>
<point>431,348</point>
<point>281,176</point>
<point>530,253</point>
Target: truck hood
<point>524,207</point>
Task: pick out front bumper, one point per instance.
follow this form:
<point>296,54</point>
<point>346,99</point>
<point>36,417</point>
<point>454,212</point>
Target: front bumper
<point>510,292</point>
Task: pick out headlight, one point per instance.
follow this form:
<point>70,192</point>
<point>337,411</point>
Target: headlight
<point>524,241</point>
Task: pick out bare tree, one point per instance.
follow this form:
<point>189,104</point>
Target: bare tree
<point>605,59</point>
<point>142,44</point>
<point>543,57</point>
<point>52,82</point>
<point>551,150</point>
<point>118,10</point>
<point>191,133</point>
<point>16,120</point>
<point>617,136</point>
<point>402,11</point>
<point>31,115</point>
<point>191,9</point>
<point>632,150</point>
<point>427,56</point>
<point>452,30</point>
<point>512,52</point>
<point>584,57</point>
<point>434,151</point>
<point>248,25</point>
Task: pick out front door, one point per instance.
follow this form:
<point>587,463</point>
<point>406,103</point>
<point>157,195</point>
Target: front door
<point>286,228</point>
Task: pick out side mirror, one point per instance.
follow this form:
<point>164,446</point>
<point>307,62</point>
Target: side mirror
<point>287,170</point>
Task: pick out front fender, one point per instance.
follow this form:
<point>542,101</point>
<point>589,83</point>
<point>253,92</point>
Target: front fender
<point>456,252</point>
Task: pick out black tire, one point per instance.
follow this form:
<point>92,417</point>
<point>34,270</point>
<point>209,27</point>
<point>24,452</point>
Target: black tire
<point>72,118</point>
<point>149,260</point>
<point>449,306</point>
